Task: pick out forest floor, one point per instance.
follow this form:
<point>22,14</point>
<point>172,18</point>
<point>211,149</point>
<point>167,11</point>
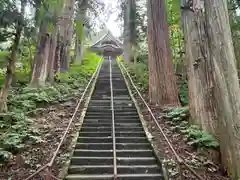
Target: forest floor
<point>51,122</point>
<point>204,161</point>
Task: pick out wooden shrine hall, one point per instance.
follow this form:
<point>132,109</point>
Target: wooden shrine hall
<point>107,45</point>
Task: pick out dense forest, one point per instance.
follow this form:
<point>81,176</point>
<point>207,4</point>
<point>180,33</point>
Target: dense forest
<point>185,53</point>
<point>183,56</point>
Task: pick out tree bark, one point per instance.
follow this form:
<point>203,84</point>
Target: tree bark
<point>53,44</point>
<point>200,77</point>
<point>12,62</point>
<point>126,53</point>
<point>80,33</point>
<point>162,81</point>
<point>10,70</point>
<point>38,4</point>
<point>233,20</point>
<point>79,51</point>
<point>52,54</point>
<point>129,33</point>
<point>40,69</point>
<point>226,86</point>
<point>66,32</point>
<point>58,54</point>
<point>132,30</point>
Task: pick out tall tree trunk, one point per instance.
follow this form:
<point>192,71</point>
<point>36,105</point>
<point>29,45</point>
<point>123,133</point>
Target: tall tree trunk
<point>226,86</point>
<point>79,51</point>
<point>236,44</point>
<point>12,61</point>
<point>233,20</point>
<point>52,54</point>
<point>130,36</point>
<point>39,74</point>
<point>80,31</point>
<point>37,19</point>
<point>126,52</point>
<point>58,54</point>
<point>200,77</point>
<point>30,54</point>
<point>53,44</point>
<point>132,30</point>
<point>162,81</point>
<point>66,32</point>
<point>10,69</point>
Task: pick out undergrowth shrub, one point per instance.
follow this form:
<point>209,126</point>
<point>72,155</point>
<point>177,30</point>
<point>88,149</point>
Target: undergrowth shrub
<point>16,132</point>
<point>194,135</point>
<point>22,77</point>
<point>139,73</point>
<point>183,92</point>
<point>29,98</point>
<point>3,56</point>
<point>22,72</point>
<point>2,77</point>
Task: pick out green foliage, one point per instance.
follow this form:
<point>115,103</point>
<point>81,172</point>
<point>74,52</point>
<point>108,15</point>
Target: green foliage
<point>22,76</point>
<point>79,73</point>
<point>201,138</point>
<point>4,155</point>
<point>18,133</point>
<point>140,73</point>
<point>178,113</point>
<point>175,32</point>
<point>184,93</point>
<point>142,51</point>
<point>79,31</point>
<point>2,77</point>
<point>16,130</point>
<point>29,98</point>
<point>195,136</point>
<point>120,59</point>
<point>3,58</point>
<point>22,72</point>
<point>68,84</point>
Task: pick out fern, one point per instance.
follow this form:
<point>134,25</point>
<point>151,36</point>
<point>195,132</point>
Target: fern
<point>200,138</point>
<point>17,129</point>
<point>5,155</point>
<point>194,135</point>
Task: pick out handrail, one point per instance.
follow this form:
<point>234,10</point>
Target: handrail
<point>113,123</point>
<point>49,165</point>
<point>178,158</point>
